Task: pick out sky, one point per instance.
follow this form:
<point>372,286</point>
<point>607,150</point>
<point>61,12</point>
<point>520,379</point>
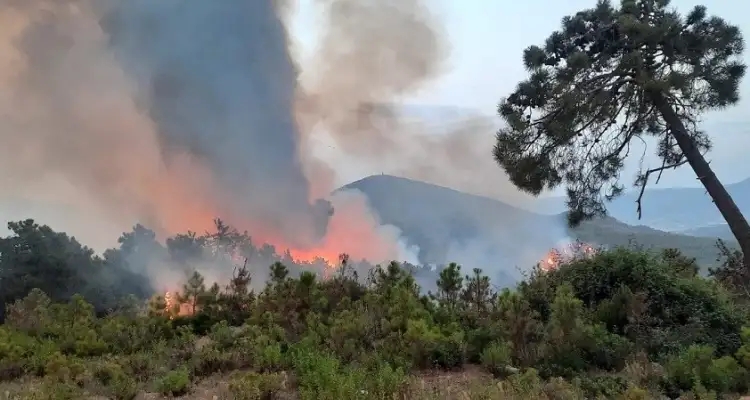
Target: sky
<point>487,39</point>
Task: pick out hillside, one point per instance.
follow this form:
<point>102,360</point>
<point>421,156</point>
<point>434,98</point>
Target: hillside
<point>673,209</point>
<point>721,231</point>
<point>450,225</point>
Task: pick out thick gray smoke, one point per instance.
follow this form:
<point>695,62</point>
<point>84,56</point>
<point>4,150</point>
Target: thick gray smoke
<point>164,112</point>
<point>221,85</point>
<point>173,112</point>
<point>372,56</point>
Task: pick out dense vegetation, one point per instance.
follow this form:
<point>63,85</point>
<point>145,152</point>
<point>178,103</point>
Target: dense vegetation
<point>35,256</point>
<point>617,324</point>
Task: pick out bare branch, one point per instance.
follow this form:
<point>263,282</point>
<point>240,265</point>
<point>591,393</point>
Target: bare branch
<point>645,182</point>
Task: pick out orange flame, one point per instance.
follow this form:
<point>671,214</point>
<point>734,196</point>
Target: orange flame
<point>173,307</point>
<point>352,230</point>
<point>169,304</point>
<point>573,251</point>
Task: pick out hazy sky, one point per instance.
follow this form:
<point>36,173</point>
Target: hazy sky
<point>487,40</point>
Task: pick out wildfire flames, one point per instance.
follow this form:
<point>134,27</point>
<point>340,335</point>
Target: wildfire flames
<point>168,302</point>
<point>556,257</point>
<point>173,307</point>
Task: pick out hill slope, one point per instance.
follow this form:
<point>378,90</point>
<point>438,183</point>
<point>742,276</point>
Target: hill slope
<point>673,209</point>
<point>721,231</point>
<point>448,225</point>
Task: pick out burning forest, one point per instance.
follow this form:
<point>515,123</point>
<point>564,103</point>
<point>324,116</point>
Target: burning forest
<point>171,114</point>
<point>573,251</point>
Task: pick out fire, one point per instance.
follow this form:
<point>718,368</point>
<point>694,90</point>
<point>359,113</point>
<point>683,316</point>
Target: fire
<point>556,257</point>
<point>173,307</point>
<point>169,303</point>
<point>352,230</point>
<point>312,256</point>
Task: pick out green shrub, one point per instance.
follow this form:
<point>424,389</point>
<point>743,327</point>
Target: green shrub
<point>65,369</point>
<point>254,386</point>
<point>16,350</point>
<point>726,375</point>
<point>623,325</point>
<point>604,350</point>
<point>51,389</point>
<point>142,365</point>
<point>527,385</point>
<point>384,381</point>
<point>635,393</point>
<point>661,308</point>
<point>174,383</point>
<point>598,386</point>
<point>496,358</point>
<point>222,335</point>
<point>116,383</point>
<point>210,360</point>
<point>321,376</point>
<point>264,347</point>
<point>122,387</point>
<point>431,348</point>
<point>692,362</point>
<point>743,353</point>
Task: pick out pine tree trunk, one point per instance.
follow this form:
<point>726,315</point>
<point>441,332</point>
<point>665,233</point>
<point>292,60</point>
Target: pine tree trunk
<point>724,202</point>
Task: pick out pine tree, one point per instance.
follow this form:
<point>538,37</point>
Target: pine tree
<point>193,291</point>
<point>611,76</point>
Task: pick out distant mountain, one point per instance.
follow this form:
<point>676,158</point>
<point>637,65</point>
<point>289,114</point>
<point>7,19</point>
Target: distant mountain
<point>718,231</point>
<point>448,225</point>
<point>670,209</point>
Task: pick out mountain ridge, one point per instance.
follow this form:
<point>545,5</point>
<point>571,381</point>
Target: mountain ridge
<point>671,209</point>
<point>450,225</point>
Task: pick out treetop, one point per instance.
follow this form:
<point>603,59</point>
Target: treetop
<point>590,92</point>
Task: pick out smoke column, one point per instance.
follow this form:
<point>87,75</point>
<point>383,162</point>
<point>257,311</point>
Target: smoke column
<point>222,84</point>
<point>373,55</point>
<point>77,145</point>
<point>171,112</point>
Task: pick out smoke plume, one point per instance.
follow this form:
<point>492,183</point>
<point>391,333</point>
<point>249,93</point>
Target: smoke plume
<point>174,112</point>
<point>221,84</point>
<point>373,55</point>
<point>75,135</point>
<point>167,112</point>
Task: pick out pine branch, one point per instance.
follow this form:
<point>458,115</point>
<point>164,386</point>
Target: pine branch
<point>645,177</point>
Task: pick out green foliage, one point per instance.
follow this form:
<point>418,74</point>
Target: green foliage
<point>620,324</point>
<point>611,75</point>
<point>646,299</point>
<point>696,365</point>
<point>254,386</point>
<point>496,358</point>
<point>322,376</point>
<point>174,383</point>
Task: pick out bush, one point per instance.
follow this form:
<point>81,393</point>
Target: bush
<point>725,375</point>
<point>51,389</point>
<point>622,324</point>
<point>496,358</point>
<point>254,386</point>
<point>174,383</point>
<point>635,393</point>
<point>647,297</point>
<point>122,387</point>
